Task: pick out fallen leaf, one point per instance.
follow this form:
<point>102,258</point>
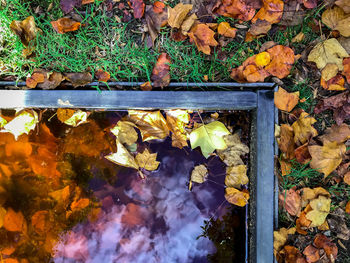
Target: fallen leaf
<point>344,4</point>
<point>311,194</point>
<point>260,27</point>
<point>320,210</point>
<point>235,9</point>
<point>298,38</point>
<point>321,241</point>
<point>286,141</point>
<point>231,156</point>
<point>292,255</point>
<point>80,204</point>
<point>34,79</point>
<point>282,60</point>
<point>336,133</point>
<point>199,174</point>
<point>253,74</point>
<point>203,37</point>
<point>2,215</point>
<point>311,253</point>
<point>147,160</point>
<point>209,137</point>
<point>68,5</point>
<point>178,14</point>
<point>346,71</point>
<point>291,201</point>
<point>2,122</point>
<point>158,7</point>
<point>125,132</point>
<point>236,176</point>
<point>302,154</point>
<point>329,71</point>
<point>26,30</point>
<point>23,123</point>
<point>177,119</point>
<point>64,25</point>
<point>271,11</point>
<point>236,197</point>
<point>336,83</point>
<point>122,157</point>
<point>263,59</point>
<point>188,23</point>
<point>146,86</point>
<point>326,52</point>
<point>14,221</point>
<point>155,20</point>
<point>347,208</point>
<point>326,158</point>
<point>310,3</point>
<point>286,101</point>
<point>72,117</point>
<point>138,6</point>
<point>151,124</point>
<point>78,79</point>
<point>41,222</point>
<point>302,223</point>
<point>51,79</point>
<point>336,19</point>
<point>303,129</point>
<point>102,75</point>
<point>161,71</point>
<point>280,238</point>
<point>226,30</point>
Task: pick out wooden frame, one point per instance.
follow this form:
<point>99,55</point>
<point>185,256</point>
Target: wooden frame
<point>259,102</point>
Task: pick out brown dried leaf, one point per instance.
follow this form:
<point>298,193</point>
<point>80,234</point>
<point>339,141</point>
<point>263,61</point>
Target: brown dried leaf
<point>203,37</point>
<point>177,15</point>
<point>344,4</point>
<point>321,241</point>
<point>292,255</point>
<point>302,154</point>
<point>64,25</point>
<point>78,79</point>
<point>51,79</point>
<point>236,176</point>
<point>291,201</point>
<point>147,160</point>
<point>138,6</point>
<point>161,71</point>
<point>226,30</point>
<point>34,79</point>
<point>235,9</point>
<point>286,142</point>
<point>155,20</point>
<point>102,75</point>
<point>286,101</point>
<point>303,129</point>
<point>271,11</point>
<point>312,254</point>
<point>26,30</point>
<point>336,133</point>
<point>335,83</point>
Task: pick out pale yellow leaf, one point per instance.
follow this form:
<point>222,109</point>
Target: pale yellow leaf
<point>122,157</point>
<point>125,132</point>
<point>147,160</point>
<point>22,123</point>
<point>199,174</point>
<point>236,176</point>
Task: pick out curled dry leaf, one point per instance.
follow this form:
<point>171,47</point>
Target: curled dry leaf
<point>209,137</point>
<point>26,30</point>
<point>178,14</point>
<point>14,221</point>
<point>291,201</point>
<point>78,79</point>
<point>312,254</point>
<point>125,132</point>
<point>147,160</point>
<point>72,117</point>
<point>51,79</point>
<point>151,124</point>
<point>188,23</point>
<point>226,30</point>
<point>237,197</point>
<point>235,9</point>
<point>34,79</point>
<point>199,174</point>
<point>236,176</point>
<point>102,75</point>
<point>286,101</point>
<point>336,133</point>
<point>177,119</point>
<point>138,6</point>
<point>23,123</point>
<point>161,71</point>
<point>303,129</point>
<point>320,210</point>
<point>203,37</point>
<point>326,158</point>
<point>64,25</point>
<point>328,51</point>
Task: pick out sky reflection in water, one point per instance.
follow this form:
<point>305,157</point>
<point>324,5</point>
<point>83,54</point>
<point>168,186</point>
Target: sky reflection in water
<point>155,220</point>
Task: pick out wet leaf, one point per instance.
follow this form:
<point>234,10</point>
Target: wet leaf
<point>147,160</point>
<point>209,138</point>
<point>72,117</point>
<point>122,157</point>
<point>102,75</point>
<point>61,196</point>
<point>64,25</point>
<point>235,149</point>
<point>236,176</point>
<point>14,221</point>
<point>40,222</point>
<point>291,201</point>
<point>286,101</point>
<point>326,158</point>
<point>328,51</point>
<point>226,30</point>
<point>151,124</point>
<point>161,71</point>
<point>34,79</point>
<point>23,123</point>
<point>79,204</point>
<point>26,30</point>
<point>303,129</point>
<point>237,197</point>
<point>78,79</point>
<point>203,37</point>
<point>138,6</point>
<point>320,210</point>
<point>177,119</point>
<point>235,9</point>
<point>125,132</point>
<point>178,14</point>
<point>199,174</point>
<point>282,60</point>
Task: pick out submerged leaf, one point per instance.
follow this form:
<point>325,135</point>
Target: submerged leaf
<point>22,123</point>
<point>235,148</point>
<point>72,117</point>
<point>14,221</point>
<point>209,137</point>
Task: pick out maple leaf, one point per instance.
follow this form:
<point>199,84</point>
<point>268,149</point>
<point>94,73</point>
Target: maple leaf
<point>209,137</point>
<point>176,120</point>
<point>125,132</point>
<point>199,175</point>
<point>147,160</point>
<point>236,176</point>
<point>23,123</point>
<point>237,197</point>
<point>122,157</point>
<point>161,71</point>
<point>203,37</point>
<point>286,101</point>
<point>151,124</point>
<point>64,25</point>
<point>303,129</point>
<point>72,117</point>
<point>178,14</point>
<point>326,158</point>
<point>328,51</point>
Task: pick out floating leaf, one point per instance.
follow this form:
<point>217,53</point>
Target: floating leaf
<point>122,157</point>
<point>177,119</point>
<point>79,204</point>
<point>41,222</point>
<point>236,176</point>
<point>64,25</point>
<point>286,101</point>
<point>22,123</point>
<point>199,174</point>
<point>235,148</point>
<point>2,215</point>
<point>209,137</point>
<point>152,124</point>
<point>236,197</point>
<point>72,117</point>
<point>147,160</point>
<point>125,132</point>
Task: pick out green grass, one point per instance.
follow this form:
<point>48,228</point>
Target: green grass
<point>305,92</point>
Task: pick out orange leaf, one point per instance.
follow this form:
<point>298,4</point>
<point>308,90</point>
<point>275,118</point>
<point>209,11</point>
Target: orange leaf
<point>235,9</point>
<point>9,260</point>
<point>253,74</point>
<point>303,129</point>
<point>347,208</point>
<point>236,197</point>
<point>335,83</point>
<point>18,149</point>
<point>312,254</point>
<point>346,70</point>
<point>158,7</point>
<point>36,78</point>
<point>292,255</point>
<point>103,76</point>
<point>13,221</point>
<point>65,24</point>
<point>302,154</point>
<point>310,3</point>
<point>347,178</point>
<point>331,249</point>
<point>40,222</point>
<point>285,141</point>
<point>161,71</point>
<point>80,204</point>
<point>226,30</point>
<point>291,201</point>
<point>282,59</point>
<point>138,6</point>
<point>146,86</point>
<point>286,101</point>
<point>203,37</point>
<point>271,11</point>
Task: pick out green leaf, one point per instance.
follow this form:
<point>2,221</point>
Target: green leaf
<point>209,137</point>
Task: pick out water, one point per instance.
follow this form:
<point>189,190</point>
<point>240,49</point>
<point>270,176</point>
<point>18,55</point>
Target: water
<point>96,211</point>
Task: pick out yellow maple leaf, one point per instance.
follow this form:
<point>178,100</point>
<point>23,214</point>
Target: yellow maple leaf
<point>147,160</point>
<point>122,157</point>
<point>125,132</point>
<point>237,197</point>
<point>22,123</point>
<point>303,129</point>
<point>236,176</point>
<point>320,209</point>
<point>177,119</point>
